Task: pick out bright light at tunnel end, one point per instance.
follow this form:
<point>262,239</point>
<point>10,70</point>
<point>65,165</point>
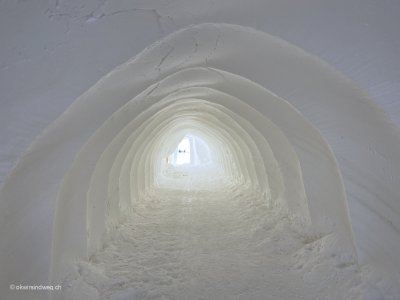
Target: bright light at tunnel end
<point>181,154</point>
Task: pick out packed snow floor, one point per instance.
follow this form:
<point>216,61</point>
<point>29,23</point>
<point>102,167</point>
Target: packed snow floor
<point>213,245</point>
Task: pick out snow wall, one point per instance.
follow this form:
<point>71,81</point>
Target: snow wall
<point>318,148</point>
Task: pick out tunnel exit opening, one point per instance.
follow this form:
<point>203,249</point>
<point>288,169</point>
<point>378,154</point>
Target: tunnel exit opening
<point>191,151</point>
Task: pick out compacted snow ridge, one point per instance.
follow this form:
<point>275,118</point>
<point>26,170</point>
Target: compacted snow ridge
<point>212,245</point>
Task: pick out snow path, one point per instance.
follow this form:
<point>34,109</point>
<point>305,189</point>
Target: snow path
<point>212,245</point>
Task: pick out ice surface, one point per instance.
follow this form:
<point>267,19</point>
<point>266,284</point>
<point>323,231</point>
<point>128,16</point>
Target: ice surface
<point>285,209</point>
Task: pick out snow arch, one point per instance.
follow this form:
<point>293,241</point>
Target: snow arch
<point>82,155</point>
<point>227,90</point>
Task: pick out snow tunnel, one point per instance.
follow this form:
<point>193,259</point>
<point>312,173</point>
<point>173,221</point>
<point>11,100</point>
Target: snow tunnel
<point>202,95</point>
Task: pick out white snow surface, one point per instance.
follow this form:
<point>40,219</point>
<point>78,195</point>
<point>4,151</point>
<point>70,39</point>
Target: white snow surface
<point>220,244</point>
<point>299,198</point>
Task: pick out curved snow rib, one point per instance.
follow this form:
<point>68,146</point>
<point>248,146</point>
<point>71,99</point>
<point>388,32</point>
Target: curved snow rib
<point>141,134</point>
<point>95,163</point>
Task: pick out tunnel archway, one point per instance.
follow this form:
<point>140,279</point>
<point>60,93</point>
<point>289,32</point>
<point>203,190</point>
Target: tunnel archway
<point>281,186</point>
<point>288,148</point>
